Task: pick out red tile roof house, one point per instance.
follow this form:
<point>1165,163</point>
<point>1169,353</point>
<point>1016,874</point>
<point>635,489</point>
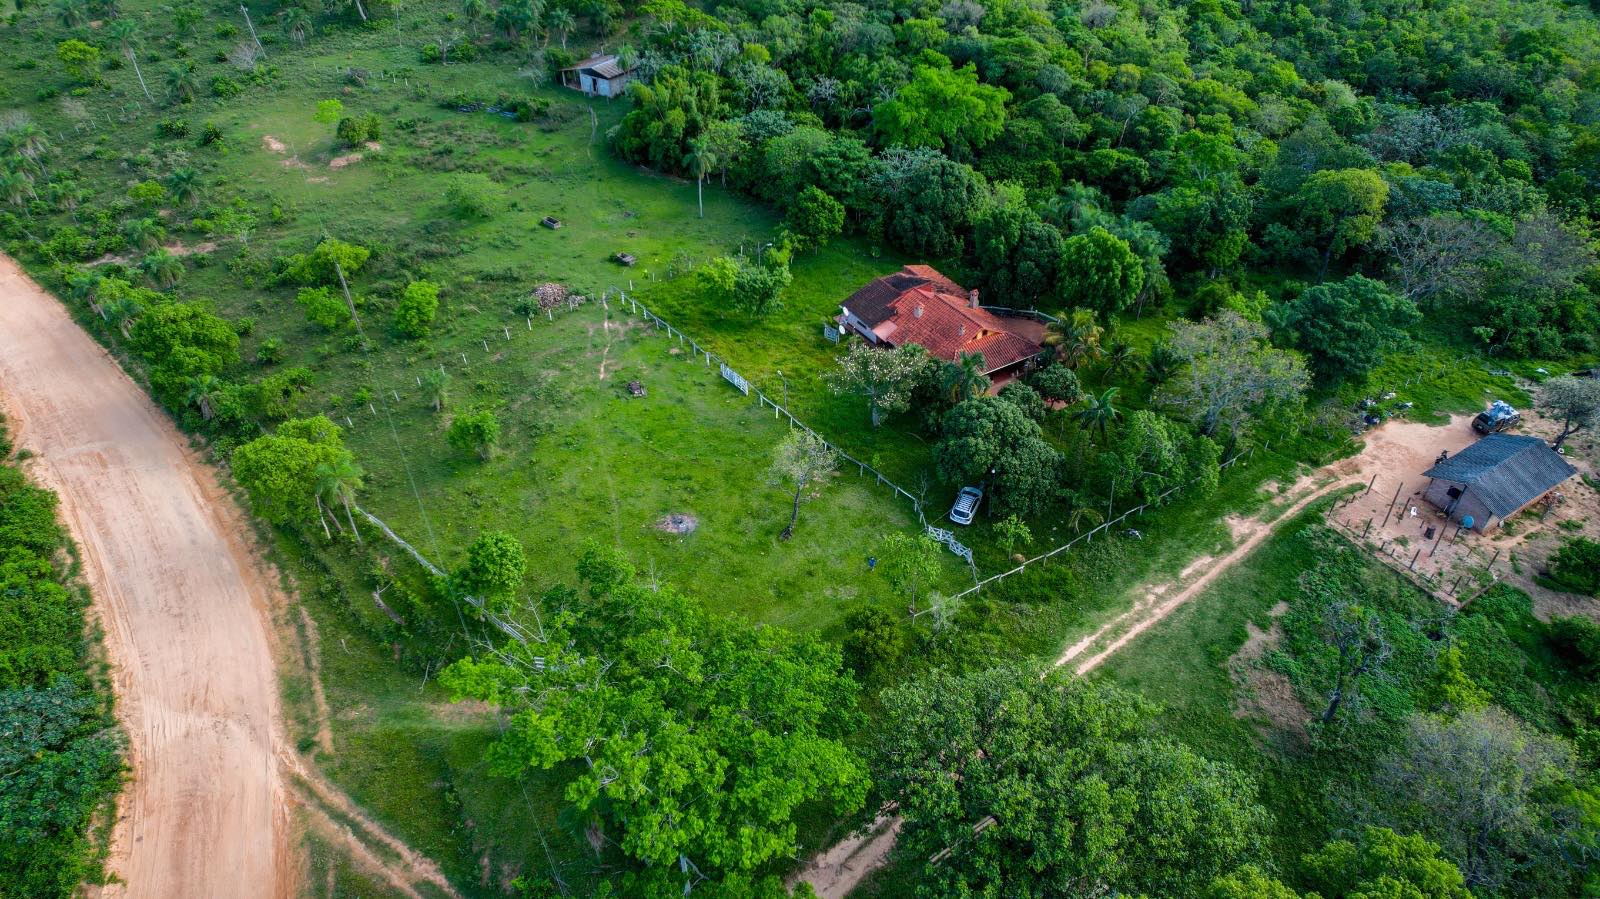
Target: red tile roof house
<point>919,305</point>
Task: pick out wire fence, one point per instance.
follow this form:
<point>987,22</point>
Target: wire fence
<point>1088,536</point>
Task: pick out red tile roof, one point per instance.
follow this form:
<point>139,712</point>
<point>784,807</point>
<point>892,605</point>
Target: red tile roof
<point>921,306</point>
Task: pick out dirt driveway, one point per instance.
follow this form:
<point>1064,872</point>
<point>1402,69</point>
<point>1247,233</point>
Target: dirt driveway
<point>1389,452</point>
<point>184,607</point>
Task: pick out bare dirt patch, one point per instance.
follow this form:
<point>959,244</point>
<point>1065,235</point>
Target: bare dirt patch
<point>1261,694</point>
<point>339,162</point>
<point>274,145</point>
<point>176,248</point>
<point>677,523</point>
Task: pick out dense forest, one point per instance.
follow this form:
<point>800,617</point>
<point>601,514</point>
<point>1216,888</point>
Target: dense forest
<point>1269,158</point>
<point>60,752</point>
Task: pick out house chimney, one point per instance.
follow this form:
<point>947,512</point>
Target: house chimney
<point>972,298</point>
<point>917,312</point>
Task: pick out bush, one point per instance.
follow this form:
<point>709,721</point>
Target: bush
<point>418,305</point>
<point>354,131</point>
<point>210,134</point>
<point>472,197</point>
<point>322,306</point>
<point>1576,641</point>
<point>873,640</point>
<point>1576,567</point>
<point>476,432</point>
<point>173,128</point>
<point>1056,383</point>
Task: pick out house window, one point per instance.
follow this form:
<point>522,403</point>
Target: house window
<point>1453,492</point>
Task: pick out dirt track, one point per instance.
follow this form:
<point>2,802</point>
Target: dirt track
<point>1399,448</point>
<point>185,608</point>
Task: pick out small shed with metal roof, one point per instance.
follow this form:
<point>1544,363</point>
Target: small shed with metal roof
<point>600,76</point>
<point>1494,479</point>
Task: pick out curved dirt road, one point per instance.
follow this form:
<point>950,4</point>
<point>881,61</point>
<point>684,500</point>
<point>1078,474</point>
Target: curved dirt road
<point>1399,447</point>
<point>185,608</point>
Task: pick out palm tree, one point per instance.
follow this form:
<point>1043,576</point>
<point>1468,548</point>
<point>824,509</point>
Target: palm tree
<point>516,16</point>
<point>162,268</point>
<point>436,386</point>
<point>1163,362</point>
<point>202,395</point>
<point>184,185</point>
<point>122,310</point>
<point>1120,359</point>
<point>1076,337</point>
<point>701,161</point>
<point>16,187</point>
<point>181,83</point>
<point>126,33</point>
<point>29,141</point>
<point>72,13</point>
<point>297,24</point>
<point>339,480</point>
<point>1099,412</point>
<point>82,286</point>
<point>560,20</point>
<point>964,379</point>
<point>1080,516</point>
<point>474,11</point>
<point>143,234</point>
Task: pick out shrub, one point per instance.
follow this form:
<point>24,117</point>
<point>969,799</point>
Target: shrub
<point>1576,567</point>
<point>356,130</point>
<point>323,307</point>
<point>472,197</point>
<point>873,639</point>
<point>418,306</point>
<point>173,127</point>
<point>475,432</point>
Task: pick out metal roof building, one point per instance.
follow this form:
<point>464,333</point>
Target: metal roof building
<point>1495,478</point>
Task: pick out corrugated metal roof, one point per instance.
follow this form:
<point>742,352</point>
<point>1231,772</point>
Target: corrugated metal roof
<point>1505,471</point>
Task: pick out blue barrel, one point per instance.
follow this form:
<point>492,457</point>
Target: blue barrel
<point>1466,522</point>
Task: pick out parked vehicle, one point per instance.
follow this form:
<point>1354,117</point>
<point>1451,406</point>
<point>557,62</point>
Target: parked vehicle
<point>1498,417</point>
<point>966,505</point>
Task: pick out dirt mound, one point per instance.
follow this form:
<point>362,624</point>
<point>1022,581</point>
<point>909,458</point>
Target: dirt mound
<point>273,144</point>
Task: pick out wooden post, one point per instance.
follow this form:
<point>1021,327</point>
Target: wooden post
<point>1413,565</point>
<point>1457,584</point>
<point>1368,530</point>
<point>1442,528</point>
<point>1369,486</point>
<point>1392,502</point>
<point>1496,556</point>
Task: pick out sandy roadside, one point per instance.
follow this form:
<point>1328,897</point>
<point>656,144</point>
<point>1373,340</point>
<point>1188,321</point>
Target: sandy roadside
<point>184,605</point>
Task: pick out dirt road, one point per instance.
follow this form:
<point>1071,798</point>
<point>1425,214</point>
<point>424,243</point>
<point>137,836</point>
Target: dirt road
<point>185,608</point>
<point>1396,448</point>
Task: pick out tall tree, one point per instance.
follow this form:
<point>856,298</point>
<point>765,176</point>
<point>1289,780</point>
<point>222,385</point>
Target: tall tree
<point>1229,374</point>
<point>700,738</point>
<point>1100,271</point>
<point>885,378</point>
<point>1344,327</point>
<point>1015,785</point>
<point>990,441</point>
